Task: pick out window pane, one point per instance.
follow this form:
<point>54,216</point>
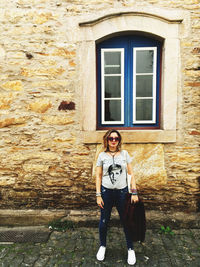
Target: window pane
<point>113,70</point>
<point>144,61</point>
<point>112,86</point>
<point>112,62</point>
<point>144,109</point>
<point>112,58</point>
<point>144,86</point>
<point>112,110</point>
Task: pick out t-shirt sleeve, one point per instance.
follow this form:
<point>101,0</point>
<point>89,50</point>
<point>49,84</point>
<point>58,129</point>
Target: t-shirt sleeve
<point>128,158</point>
<point>99,161</point>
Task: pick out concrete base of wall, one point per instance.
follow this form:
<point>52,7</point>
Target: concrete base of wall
<point>155,219</point>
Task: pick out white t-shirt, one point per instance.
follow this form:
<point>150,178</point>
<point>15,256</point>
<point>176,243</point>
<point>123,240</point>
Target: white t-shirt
<point>114,169</point>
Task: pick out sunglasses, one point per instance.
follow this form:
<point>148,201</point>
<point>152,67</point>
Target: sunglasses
<point>113,139</point>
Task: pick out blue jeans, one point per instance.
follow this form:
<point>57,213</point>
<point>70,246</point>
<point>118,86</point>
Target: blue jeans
<point>111,198</point>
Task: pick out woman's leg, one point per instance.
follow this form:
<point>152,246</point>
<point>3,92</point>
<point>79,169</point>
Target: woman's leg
<point>120,205</point>
<point>107,196</point>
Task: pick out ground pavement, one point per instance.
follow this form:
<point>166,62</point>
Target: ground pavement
<point>78,247</point>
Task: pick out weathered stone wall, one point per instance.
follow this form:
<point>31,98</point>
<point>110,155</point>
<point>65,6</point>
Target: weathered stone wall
<point>44,162</point>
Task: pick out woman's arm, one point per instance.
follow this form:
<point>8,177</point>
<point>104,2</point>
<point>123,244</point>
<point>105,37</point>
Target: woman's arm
<point>99,171</point>
<point>134,198</point>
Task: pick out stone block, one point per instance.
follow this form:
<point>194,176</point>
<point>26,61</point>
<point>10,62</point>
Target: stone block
<point>2,52</point>
<point>57,120</point>
<point>64,53</point>
<point>31,156</point>
<point>40,106</point>
<point>183,157</point>
<point>192,73</point>
<point>7,181</point>
<point>23,194</point>
<point>52,85</point>
<point>33,167</point>
<point>194,132</point>
<point>12,121</point>
<point>65,140</point>
<point>12,85</point>
<point>72,63</point>
<point>43,17</point>
<point>192,84</point>
<point>58,182</point>
<point>148,164</point>
<point>5,101</point>
<point>28,72</point>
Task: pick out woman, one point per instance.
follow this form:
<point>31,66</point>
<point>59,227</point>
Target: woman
<point>111,188</point>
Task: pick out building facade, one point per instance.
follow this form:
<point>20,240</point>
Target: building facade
<point>70,70</point>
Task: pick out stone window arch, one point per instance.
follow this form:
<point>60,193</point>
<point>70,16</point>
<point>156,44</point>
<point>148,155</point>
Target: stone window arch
<point>165,28</point>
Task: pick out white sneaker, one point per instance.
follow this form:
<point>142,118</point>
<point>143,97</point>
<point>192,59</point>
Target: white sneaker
<point>101,253</point>
<point>131,257</point>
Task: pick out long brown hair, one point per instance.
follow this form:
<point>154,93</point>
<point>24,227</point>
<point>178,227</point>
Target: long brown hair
<point>105,139</point>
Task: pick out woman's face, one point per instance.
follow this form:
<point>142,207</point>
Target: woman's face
<point>113,141</point>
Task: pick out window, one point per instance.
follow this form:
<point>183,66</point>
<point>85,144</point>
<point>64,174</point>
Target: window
<point>159,25</point>
<point>128,90</point>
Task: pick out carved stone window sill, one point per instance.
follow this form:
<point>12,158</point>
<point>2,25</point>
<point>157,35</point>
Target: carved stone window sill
<point>134,136</point>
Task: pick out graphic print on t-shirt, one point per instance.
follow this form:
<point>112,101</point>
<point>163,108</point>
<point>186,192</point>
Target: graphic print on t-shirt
<point>114,172</point>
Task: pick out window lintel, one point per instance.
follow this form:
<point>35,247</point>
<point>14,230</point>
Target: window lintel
<point>93,22</point>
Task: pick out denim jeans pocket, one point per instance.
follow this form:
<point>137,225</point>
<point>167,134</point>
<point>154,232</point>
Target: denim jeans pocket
<point>103,189</point>
<point>124,190</point>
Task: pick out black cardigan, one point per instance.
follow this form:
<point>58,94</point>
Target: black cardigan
<point>134,219</point>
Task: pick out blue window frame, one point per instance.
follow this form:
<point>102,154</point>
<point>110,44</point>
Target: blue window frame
<point>128,87</point>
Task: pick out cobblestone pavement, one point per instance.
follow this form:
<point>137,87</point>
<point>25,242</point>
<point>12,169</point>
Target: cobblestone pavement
<point>78,248</point>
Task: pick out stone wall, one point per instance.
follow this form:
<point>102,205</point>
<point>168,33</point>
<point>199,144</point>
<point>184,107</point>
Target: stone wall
<point>44,162</point>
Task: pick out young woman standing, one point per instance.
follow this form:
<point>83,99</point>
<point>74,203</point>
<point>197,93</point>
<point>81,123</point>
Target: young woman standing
<point>113,165</point>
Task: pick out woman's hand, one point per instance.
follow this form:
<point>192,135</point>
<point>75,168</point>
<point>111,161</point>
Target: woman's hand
<point>134,199</point>
<point>100,202</point>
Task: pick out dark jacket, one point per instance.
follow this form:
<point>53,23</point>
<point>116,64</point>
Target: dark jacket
<point>134,219</point>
